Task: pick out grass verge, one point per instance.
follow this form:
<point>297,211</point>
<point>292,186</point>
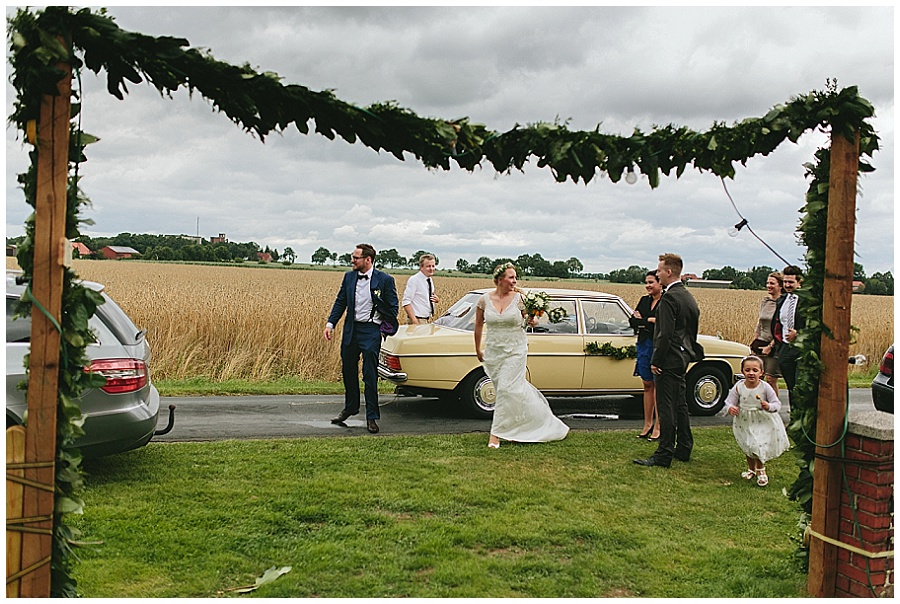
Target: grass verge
<point>437,516</point>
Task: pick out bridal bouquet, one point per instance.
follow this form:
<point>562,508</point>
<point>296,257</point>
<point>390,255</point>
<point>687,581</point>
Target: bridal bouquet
<point>537,304</point>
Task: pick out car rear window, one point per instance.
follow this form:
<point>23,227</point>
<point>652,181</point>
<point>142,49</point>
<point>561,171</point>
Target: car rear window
<point>118,322</point>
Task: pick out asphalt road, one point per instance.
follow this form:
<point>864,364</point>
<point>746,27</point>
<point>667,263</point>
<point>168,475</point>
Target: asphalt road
<point>262,417</point>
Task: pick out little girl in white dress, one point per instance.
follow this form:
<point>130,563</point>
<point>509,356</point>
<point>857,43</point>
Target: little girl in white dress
<point>757,426</point>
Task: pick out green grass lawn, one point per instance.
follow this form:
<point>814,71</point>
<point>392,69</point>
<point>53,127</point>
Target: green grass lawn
<point>437,516</point>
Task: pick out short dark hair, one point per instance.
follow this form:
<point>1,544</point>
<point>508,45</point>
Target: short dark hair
<point>793,270</point>
<point>367,250</point>
<point>652,274</point>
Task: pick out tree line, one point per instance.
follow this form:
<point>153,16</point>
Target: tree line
<point>879,284</point>
<point>177,247</point>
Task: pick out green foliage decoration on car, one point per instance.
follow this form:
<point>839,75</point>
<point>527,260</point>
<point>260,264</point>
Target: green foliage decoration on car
<point>260,104</point>
<point>608,350</point>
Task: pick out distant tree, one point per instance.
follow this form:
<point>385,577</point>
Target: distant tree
<point>859,273</point>
<point>289,255</point>
<point>483,265</point>
<point>333,258</point>
<point>321,255</point>
<point>559,269</point>
<point>389,257</point>
<point>344,259</point>
<point>726,273</point>
<point>743,282</point>
<point>575,265</point>
<point>760,274</point>
<point>163,252</point>
<point>632,274</point>
<point>879,284</point>
<point>462,265</point>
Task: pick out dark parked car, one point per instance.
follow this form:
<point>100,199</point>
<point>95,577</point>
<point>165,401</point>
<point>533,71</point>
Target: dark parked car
<point>119,416</point>
<point>883,384</point>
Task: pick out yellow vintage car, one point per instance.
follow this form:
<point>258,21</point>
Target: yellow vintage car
<point>438,359</point>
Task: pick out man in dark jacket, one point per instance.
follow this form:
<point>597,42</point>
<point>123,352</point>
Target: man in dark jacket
<point>674,347</point>
<point>785,325</point>
<point>369,297</point>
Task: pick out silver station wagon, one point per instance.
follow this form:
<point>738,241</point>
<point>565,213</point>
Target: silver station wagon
<point>439,359</point>
<point>119,416</point>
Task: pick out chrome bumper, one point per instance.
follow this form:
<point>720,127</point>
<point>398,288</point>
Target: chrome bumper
<point>391,376</point>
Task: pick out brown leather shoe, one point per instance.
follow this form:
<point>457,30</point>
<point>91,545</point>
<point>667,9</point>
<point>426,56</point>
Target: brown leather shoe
<point>372,426</point>
<point>342,416</point>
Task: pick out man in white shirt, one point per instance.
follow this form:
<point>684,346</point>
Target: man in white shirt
<point>787,322</point>
<point>419,297</point>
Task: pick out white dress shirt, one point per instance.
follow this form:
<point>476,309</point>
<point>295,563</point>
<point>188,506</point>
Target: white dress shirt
<point>364,298</point>
<point>416,294</point>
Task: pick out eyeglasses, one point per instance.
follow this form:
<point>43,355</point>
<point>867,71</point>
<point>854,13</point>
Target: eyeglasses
<point>356,257</point>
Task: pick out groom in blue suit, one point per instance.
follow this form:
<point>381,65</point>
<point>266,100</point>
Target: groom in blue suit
<point>370,298</point>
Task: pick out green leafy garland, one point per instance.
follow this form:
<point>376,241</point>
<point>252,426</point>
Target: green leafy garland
<point>608,350</point>
<point>261,104</point>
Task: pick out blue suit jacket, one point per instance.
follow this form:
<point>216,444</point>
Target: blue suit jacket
<point>384,297</point>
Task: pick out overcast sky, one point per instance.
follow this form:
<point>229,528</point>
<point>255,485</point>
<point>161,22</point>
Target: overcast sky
<point>164,164</point>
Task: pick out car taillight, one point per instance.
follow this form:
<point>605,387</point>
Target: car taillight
<point>887,364</point>
<point>392,362</point>
<point>122,375</point>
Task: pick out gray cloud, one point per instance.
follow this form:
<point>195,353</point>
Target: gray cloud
<point>162,164</point>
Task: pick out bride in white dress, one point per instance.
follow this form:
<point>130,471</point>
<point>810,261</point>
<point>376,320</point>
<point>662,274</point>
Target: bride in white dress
<point>521,413</point>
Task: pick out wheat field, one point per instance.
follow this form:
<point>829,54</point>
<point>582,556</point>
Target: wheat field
<point>227,322</point>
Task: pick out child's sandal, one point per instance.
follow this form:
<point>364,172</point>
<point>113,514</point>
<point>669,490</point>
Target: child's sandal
<point>762,480</point>
<point>748,474</point>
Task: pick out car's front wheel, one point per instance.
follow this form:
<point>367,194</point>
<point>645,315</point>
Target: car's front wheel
<point>476,395</point>
<point>706,389</point>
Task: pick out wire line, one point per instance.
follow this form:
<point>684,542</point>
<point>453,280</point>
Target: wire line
<point>747,224</point>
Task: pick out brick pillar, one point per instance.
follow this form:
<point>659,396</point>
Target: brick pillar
<point>867,512</point>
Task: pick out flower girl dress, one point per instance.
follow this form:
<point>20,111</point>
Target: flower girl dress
<point>759,433</point>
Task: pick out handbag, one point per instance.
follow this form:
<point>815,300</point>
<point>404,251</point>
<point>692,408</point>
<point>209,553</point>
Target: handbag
<point>757,345</point>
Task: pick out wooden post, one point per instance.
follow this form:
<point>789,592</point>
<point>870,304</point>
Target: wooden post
<point>46,288</point>
<point>836,299</point>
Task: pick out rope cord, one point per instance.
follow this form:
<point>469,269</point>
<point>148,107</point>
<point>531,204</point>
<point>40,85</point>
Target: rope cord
<point>747,224</point>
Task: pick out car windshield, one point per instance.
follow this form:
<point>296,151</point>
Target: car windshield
<point>461,315</point>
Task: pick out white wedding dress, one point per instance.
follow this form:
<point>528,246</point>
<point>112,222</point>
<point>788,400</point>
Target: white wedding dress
<point>521,412</point>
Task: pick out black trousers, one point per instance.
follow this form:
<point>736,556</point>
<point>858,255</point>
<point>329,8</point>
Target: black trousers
<point>365,342</point>
<point>675,438</point>
<point>788,357</point>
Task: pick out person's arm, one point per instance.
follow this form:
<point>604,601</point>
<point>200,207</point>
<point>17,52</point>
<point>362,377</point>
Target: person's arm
<point>731,401</point>
<point>410,314</point>
<point>340,304</point>
<point>665,332</point>
<point>479,329</point>
<point>409,293</point>
<point>772,403</point>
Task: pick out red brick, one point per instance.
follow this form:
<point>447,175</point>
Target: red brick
<point>861,562</point>
<point>842,583</point>
<point>869,489</point>
<point>862,590</point>
<point>873,522</point>
<point>879,448</point>
<point>853,441</point>
<point>852,472</point>
<point>857,572</point>
<point>847,534</point>
<point>879,507</point>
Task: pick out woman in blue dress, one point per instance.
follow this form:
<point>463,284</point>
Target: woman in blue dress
<point>643,321</point>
